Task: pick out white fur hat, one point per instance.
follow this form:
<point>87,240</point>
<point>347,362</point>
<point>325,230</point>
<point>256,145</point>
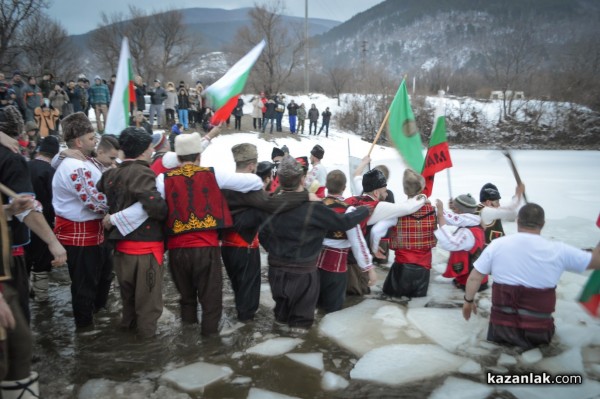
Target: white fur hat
<point>187,144</point>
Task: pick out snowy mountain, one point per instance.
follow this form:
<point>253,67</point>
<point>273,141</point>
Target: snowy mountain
<point>416,35</point>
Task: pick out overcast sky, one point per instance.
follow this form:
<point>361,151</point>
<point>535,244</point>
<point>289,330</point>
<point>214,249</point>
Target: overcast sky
<point>79,16</point>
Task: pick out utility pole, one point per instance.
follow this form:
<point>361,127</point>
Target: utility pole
<point>306,86</point>
<point>363,62</point>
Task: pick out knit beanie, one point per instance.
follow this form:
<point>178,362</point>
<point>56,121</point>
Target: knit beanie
<point>465,203</point>
<point>489,192</point>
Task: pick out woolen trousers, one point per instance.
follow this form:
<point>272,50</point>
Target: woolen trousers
<point>140,281</point>
<point>197,275</point>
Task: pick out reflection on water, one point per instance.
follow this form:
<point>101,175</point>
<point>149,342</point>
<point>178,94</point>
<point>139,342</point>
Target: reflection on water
<point>66,360</point>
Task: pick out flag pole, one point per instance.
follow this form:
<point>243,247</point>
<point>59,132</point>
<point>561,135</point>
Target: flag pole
<point>379,132</point>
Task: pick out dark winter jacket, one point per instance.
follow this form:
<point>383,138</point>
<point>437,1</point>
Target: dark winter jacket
<point>239,108</point>
<point>32,96</point>
<point>183,99</point>
<point>140,92</point>
<point>313,114</point>
<point>270,113</point>
<point>294,238</point>
<point>130,182</point>
<point>158,96</point>
<point>326,116</point>
<point>292,109</point>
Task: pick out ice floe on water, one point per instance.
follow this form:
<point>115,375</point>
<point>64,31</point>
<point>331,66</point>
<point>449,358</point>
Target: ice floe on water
<point>195,377</point>
<point>257,393</point>
<point>399,364</point>
<point>274,347</point>
<point>312,360</point>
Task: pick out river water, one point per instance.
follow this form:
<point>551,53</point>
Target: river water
<point>66,360</point>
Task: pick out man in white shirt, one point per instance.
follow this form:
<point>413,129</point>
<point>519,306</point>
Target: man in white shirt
<point>79,208</point>
<point>317,173</point>
<point>526,268</point>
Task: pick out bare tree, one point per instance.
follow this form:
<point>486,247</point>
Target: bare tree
<point>46,47</point>
<point>178,48</point>
<point>12,15</point>
<point>512,58</point>
<point>338,79</point>
<point>284,49</point>
<point>158,43</point>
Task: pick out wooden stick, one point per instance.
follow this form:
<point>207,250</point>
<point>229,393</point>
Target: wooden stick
<point>8,192</point>
<point>379,132</point>
<point>508,155</point>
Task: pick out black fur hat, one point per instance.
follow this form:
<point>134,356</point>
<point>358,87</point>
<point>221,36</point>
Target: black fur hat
<point>372,180</point>
<point>317,152</point>
<point>134,141</point>
<point>76,125</point>
<point>11,121</point>
<point>277,153</point>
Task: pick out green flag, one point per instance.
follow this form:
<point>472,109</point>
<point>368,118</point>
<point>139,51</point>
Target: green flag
<point>403,130</point>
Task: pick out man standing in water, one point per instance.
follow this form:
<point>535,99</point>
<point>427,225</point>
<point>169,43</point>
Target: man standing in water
<point>294,240</point>
<point>526,268</point>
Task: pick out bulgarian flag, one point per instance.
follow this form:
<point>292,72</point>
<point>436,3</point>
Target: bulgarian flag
<point>403,129</point>
<point>590,297</point>
<point>222,96</point>
<point>123,94</point>
<point>438,155</point>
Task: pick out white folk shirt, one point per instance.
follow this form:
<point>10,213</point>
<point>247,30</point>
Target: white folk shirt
<point>317,172</point>
<point>355,241</point>
<point>454,236</point>
<point>530,260</point>
<point>74,193</point>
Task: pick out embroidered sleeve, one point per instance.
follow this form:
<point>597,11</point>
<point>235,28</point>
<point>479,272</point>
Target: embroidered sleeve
<point>461,219</point>
<point>452,238</point>
<point>81,180</point>
<point>359,247</point>
<point>386,210</point>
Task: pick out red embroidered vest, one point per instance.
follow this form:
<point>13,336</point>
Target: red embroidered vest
<point>195,201</point>
<point>460,263</point>
<point>363,200</point>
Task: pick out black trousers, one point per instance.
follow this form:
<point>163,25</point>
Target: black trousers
<point>295,296</point>
<point>15,350</point>
<point>243,269</point>
<point>38,256</point>
<point>91,272</point>
<point>526,339</point>
<point>406,279</point>
<point>333,290</point>
<point>20,283</point>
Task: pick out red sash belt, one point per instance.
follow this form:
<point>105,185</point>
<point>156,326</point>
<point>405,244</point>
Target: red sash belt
<point>79,234</point>
<point>231,238</point>
<point>156,248</point>
<point>18,251</point>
